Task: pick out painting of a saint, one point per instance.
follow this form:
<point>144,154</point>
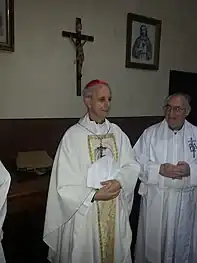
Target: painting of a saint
<point>142,42</point>
<point>142,48</point>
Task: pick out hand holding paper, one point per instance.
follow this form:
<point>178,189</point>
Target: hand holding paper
<point>104,169</point>
<point>108,191</point>
<point>112,185</point>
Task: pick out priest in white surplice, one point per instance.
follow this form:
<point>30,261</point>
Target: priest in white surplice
<point>91,188</point>
<point>167,151</point>
<point>5,180</point>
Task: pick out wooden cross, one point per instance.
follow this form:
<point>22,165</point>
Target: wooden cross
<point>78,40</point>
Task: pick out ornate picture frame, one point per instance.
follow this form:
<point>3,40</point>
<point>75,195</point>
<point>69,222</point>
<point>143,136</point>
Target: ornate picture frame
<point>7,25</point>
<point>142,42</point>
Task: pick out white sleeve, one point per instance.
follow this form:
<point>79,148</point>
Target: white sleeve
<point>129,170</point>
<point>71,187</point>
<point>68,192</point>
<point>193,173</point>
<point>149,169</point>
<point>5,180</point>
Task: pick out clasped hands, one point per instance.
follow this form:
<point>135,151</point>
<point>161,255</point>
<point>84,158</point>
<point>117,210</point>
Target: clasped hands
<point>110,189</point>
<point>178,171</point>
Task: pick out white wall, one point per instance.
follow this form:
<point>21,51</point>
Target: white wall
<point>38,79</point>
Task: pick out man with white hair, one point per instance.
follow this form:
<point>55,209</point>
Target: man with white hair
<point>167,152</point>
<point>91,188</point>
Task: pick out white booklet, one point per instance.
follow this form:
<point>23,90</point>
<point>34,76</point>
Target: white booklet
<point>105,168</point>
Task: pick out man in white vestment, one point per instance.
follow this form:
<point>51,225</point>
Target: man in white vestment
<point>91,188</point>
<point>167,152</point>
<point>5,180</point>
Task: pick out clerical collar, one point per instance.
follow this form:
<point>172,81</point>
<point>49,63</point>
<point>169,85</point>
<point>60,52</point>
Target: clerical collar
<point>95,128</point>
<point>175,131</point>
<point>103,121</point>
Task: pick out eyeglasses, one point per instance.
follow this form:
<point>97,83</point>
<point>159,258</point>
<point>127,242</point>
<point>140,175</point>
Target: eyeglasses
<point>175,109</point>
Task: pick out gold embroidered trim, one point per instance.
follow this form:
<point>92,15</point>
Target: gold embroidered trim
<point>106,222</point>
<point>106,210</point>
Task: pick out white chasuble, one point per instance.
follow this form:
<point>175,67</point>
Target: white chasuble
<point>167,231</point>
<point>76,229</point>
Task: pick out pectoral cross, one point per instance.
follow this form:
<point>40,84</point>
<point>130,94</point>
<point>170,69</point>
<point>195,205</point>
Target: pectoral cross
<point>78,40</point>
<point>101,149</point>
<point>192,146</point>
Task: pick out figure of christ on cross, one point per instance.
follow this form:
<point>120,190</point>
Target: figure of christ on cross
<point>78,40</point>
<point>101,150</point>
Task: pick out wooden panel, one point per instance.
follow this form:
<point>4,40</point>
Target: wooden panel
<point>38,134</point>
<point>29,194</point>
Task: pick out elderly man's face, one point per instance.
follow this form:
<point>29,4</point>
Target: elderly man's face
<point>99,104</point>
<point>176,111</point>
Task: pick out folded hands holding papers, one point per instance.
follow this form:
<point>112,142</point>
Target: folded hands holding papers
<point>182,169</point>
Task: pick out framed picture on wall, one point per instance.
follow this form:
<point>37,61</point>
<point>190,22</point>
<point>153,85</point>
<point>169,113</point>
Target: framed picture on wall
<point>7,25</point>
<point>142,42</point>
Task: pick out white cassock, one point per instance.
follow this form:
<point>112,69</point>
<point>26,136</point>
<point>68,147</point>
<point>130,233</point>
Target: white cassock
<point>77,230</point>
<point>5,180</point>
<point>167,230</point>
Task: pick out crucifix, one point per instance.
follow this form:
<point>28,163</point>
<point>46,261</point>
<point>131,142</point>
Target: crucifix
<point>101,149</point>
<point>78,40</point>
